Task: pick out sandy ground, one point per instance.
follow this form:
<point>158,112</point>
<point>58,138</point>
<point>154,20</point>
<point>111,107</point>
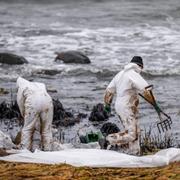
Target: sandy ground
<point>17,171</point>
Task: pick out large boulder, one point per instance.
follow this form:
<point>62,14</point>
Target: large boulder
<point>72,57</point>
<point>12,59</point>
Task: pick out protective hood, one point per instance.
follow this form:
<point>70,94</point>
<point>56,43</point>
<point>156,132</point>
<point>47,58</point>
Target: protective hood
<point>133,66</point>
<point>35,86</point>
<point>29,89</point>
<point>23,83</point>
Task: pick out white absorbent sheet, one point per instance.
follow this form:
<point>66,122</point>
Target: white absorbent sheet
<point>96,158</point>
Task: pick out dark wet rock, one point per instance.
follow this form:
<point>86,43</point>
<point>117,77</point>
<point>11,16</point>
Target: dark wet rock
<point>106,129</point>
<point>72,57</point>
<point>59,110</point>
<point>50,72</point>
<point>109,128</point>
<point>63,117</point>
<point>12,59</point>
<point>81,115</point>
<point>51,90</point>
<point>67,122</point>
<point>98,113</point>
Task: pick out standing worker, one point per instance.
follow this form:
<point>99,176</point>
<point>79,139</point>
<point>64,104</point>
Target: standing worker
<point>127,84</point>
<point>36,108</point>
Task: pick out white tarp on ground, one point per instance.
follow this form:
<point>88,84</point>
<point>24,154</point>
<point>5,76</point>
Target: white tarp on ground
<point>96,158</point>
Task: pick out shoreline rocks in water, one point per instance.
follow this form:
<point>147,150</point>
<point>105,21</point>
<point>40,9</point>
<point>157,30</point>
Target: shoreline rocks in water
<point>12,59</point>
<point>109,128</point>
<point>9,110</point>
<point>49,72</point>
<point>98,113</point>
<point>3,91</point>
<point>61,116</point>
<point>72,57</point>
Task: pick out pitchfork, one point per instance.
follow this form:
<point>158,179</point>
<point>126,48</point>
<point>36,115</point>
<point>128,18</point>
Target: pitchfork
<point>165,122</point>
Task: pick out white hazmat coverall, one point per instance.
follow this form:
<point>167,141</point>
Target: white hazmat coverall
<point>36,107</point>
<point>127,84</point>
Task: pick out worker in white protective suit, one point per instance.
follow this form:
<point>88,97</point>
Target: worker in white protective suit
<point>36,108</point>
<point>126,85</point>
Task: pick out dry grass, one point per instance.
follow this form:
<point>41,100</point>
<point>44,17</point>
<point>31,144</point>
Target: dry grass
<point>18,171</point>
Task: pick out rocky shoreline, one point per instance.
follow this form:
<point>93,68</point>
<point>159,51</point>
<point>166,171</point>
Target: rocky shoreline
<point>62,117</point>
<point>67,120</point>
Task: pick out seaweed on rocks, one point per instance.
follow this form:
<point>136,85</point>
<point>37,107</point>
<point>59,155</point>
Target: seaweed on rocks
<point>109,128</point>
<point>9,110</point>
<point>63,117</point>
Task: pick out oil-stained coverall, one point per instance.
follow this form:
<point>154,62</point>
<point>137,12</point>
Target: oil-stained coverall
<point>36,108</point>
<point>126,85</point>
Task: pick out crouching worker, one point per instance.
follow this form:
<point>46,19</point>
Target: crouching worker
<point>127,84</point>
<point>36,108</point>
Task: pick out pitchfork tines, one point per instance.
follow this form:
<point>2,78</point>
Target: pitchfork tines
<point>164,124</point>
